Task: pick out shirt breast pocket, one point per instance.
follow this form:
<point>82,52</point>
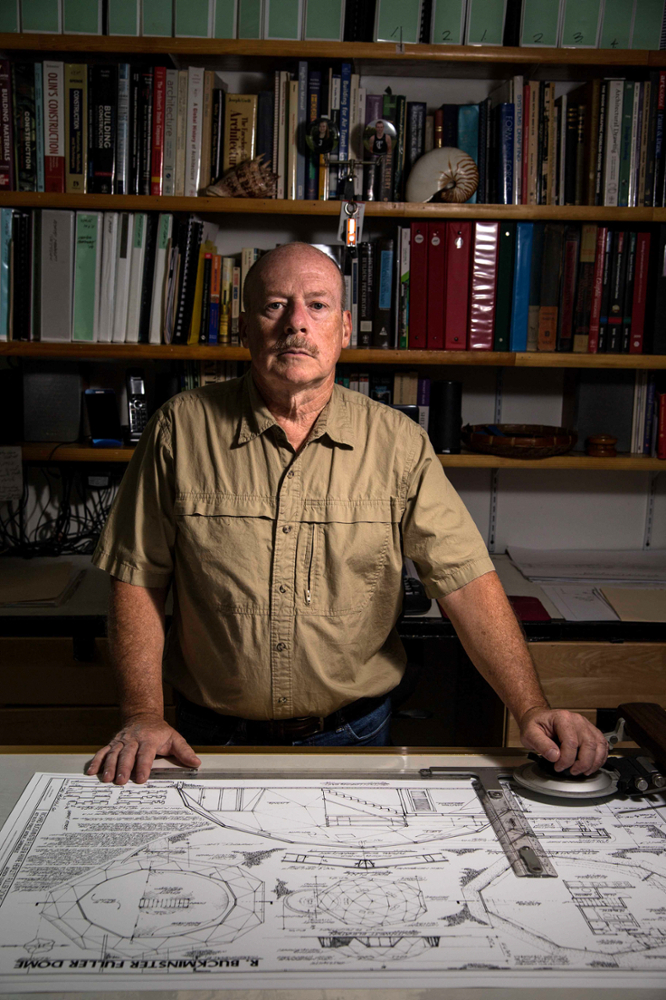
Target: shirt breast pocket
<point>345,552</point>
<point>223,549</point>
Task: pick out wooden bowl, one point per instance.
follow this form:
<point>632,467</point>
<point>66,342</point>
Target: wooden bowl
<point>518,440</point>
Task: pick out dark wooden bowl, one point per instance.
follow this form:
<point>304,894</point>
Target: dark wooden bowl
<point>518,440</point>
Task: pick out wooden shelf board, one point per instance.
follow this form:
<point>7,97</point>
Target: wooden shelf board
<point>78,452</point>
<point>282,206</point>
<point>89,44</point>
<point>353,356</point>
<point>623,463</point>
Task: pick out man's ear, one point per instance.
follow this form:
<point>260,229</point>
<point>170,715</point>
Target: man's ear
<point>346,328</point>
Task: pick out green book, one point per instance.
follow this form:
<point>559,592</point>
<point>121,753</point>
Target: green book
<point>324,22</point>
<point>41,15</point>
<point>398,20</point>
<point>250,14</point>
<point>581,24</point>
<point>87,275</point>
<point>447,26</point>
<point>540,23</point>
<point>82,17</point>
<point>616,26</point>
<point>124,17</point>
<point>648,17</point>
<point>283,19</point>
<point>10,16</point>
<point>485,22</point>
<point>193,18</point>
<point>226,17</point>
<point>157,18</point>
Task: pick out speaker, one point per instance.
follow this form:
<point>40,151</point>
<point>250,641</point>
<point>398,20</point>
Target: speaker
<point>445,417</point>
<point>51,401</point>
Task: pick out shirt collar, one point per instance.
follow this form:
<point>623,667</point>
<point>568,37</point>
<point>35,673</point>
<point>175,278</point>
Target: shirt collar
<point>333,421</point>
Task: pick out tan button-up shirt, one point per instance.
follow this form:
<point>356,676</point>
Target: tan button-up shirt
<point>286,568</point>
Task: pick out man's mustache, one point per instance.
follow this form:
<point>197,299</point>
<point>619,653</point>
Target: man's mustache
<point>297,343</point>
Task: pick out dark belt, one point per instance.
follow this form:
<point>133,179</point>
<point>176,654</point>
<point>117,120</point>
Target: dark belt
<point>302,727</point>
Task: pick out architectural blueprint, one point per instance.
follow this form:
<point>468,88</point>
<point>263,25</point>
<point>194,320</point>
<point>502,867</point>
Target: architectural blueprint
<point>320,882</point>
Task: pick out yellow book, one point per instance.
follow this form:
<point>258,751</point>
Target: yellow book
<point>226,293</point>
<point>193,335</point>
<point>240,128</point>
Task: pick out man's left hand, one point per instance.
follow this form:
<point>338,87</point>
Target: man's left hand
<point>564,738</point>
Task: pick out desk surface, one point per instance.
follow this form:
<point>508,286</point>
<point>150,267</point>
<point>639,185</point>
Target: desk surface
<point>16,769</point>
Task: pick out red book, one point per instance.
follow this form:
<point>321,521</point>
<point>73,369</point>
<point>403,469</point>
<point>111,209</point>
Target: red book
<point>418,286</point>
<point>436,277</point>
<point>597,289</point>
<point>54,129</point>
<point>483,286</point>
<point>526,118</point>
<point>159,88</point>
<point>458,259</point>
<point>6,129</point>
<point>661,433</point>
<point>640,293</point>
<point>566,316</point>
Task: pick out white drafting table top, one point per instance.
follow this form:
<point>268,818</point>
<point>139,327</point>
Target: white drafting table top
<point>16,769</point>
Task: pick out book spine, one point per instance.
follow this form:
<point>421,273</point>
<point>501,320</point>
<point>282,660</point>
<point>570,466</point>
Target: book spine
<point>640,293</point>
<point>661,433</point>
<point>588,245</point>
<point>415,144</point>
<point>521,287</point>
<point>629,293</point>
<point>314,93</point>
<point>292,139</point>
<point>157,152</point>
<point>367,293</point>
<point>195,85</point>
<point>217,133</point>
<point>436,300</point>
<point>611,188</point>
<point>206,129</point>
<point>626,142</point>
<point>108,278</point>
<point>651,139</point>
<point>56,275</point>
<point>54,127</point>
<point>205,299</point>
<point>234,334</point>
<point>518,133</point>
<point>23,93</point>
<point>458,256</point>
<point>123,130</point>
<point>601,148</point>
<point>643,146</point>
<point>264,144</point>
<point>39,127</point>
<point>6,226</point>
<point>7,180</point>
<point>568,291</point>
<point>659,142</point>
<point>181,133</point>
<point>190,260</point>
<point>605,294</point>
<point>240,128</point>
<point>147,277</point>
<point>505,159</point>
<point>134,157</point>
<point>399,158</point>
<point>170,115</point>
<point>301,119</point>
<point>103,133</point>
<point>86,275</point>
<point>76,127</point>
<point>403,279</point>
<point>483,286</point>
<point>158,304</point>
<point>214,332</point>
<point>618,278</point>
<point>146,119</point>
<point>384,270</point>
<point>650,397</point>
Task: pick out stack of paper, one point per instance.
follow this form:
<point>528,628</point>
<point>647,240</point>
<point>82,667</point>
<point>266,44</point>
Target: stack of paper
<point>26,585</point>
<point>583,584</point>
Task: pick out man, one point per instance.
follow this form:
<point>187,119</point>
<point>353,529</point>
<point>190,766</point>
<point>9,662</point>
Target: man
<point>280,506</point>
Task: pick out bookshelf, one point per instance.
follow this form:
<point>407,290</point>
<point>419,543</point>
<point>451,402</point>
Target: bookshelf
<point>427,61</point>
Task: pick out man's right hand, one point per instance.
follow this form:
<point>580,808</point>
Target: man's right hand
<point>135,747</point>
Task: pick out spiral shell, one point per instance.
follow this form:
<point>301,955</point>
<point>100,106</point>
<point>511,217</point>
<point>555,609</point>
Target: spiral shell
<point>443,174</point>
<point>250,179</point>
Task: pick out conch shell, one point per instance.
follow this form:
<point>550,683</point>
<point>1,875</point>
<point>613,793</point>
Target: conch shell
<point>250,179</point>
<point>443,174</point>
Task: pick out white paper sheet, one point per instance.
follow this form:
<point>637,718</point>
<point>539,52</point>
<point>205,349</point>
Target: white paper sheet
<point>314,883</point>
<point>579,602</point>
<point>564,565</point>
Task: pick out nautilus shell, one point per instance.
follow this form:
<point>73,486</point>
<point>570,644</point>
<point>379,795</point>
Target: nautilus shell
<point>250,179</point>
<point>443,174</point>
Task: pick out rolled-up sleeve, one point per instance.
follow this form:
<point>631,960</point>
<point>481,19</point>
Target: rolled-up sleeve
<point>438,532</point>
<point>137,542</point>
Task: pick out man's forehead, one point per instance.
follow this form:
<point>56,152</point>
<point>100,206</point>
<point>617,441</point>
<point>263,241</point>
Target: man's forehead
<point>279,275</point>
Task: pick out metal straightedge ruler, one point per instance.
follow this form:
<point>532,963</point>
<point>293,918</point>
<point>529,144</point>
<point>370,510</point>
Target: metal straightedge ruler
<point>520,844</point>
<point>517,839</point>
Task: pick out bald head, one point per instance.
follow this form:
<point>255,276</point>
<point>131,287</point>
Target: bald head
<point>291,255</point>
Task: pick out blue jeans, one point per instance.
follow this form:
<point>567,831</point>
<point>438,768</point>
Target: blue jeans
<point>203,727</point>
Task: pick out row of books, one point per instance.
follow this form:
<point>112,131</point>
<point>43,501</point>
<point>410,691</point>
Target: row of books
<point>595,23</point>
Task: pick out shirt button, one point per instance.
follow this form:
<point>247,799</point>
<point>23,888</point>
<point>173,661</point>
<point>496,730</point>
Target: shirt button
<point>281,701</point>
<point>281,646</point>
<point>290,474</point>
<point>283,590</point>
<point>287,529</point>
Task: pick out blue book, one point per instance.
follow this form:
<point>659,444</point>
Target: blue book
<point>521,287</point>
<point>345,102</point>
<point>468,135</point>
<point>6,217</point>
<point>39,125</point>
<point>300,128</point>
<point>312,172</point>
<point>505,125</point>
<point>213,321</point>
